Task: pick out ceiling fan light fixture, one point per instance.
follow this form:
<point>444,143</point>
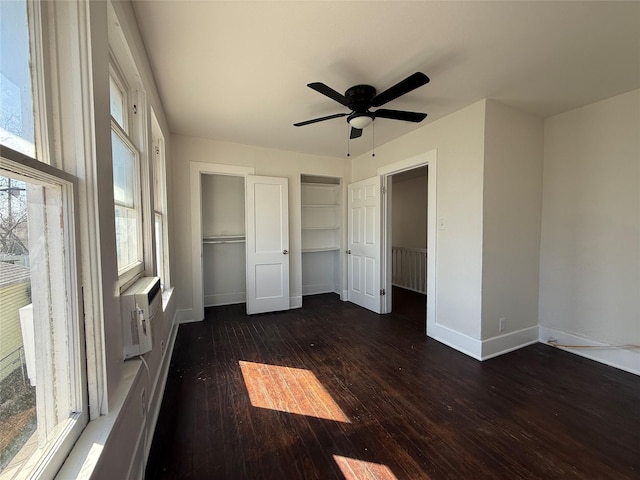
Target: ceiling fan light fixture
<point>360,120</point>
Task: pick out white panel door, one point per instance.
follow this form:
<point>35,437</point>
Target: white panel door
<point>267,244</point>
<point>364,254</point>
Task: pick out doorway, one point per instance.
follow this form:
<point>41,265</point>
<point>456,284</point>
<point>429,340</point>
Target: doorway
<point>424,166</point>
<point>408,202</point>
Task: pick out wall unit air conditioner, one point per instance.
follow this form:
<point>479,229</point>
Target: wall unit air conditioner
<point>141,305</point>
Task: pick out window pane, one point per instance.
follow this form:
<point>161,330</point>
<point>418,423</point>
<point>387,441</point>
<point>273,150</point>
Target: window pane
<point>117,102</point>
<point>125,193</point>
<point>16,98</point>
<point>124,172</point>
<point>17,393</point>
<point>39,359</point>
<point>126,236</point>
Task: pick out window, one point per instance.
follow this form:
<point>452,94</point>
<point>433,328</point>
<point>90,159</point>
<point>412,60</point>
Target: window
<point>16,100</point>
<point>159,203</point>
<point>43,387</point>
<point>42,382</point>
<point>126,180</point>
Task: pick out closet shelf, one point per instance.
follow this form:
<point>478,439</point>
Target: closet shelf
<point>320,205</point>
<point>332,186</point>
<point>324,249</point>
<point>224,239</point>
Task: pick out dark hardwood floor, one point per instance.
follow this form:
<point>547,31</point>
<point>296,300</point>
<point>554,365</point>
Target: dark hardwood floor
<point>332,391</point>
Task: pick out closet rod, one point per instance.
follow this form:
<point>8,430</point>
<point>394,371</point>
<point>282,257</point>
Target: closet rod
<point>224,239</point>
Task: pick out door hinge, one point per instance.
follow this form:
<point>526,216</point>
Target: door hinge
<point>383,189</point>
<point>383,292</point>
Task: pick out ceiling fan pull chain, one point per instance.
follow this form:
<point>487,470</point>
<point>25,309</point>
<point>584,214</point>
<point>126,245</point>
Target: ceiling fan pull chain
<point>348,140</point>
<point>373,139</point>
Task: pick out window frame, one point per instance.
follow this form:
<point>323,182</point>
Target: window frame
<point>46,460</point>
<point>160,201</point>
<point>132,135</point>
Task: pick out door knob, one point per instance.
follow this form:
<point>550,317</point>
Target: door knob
<point>285,251</point>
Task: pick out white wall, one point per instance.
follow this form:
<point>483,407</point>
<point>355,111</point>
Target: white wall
<point>409,207</point>
<point>590,246</point>
<point>266,162</point>
<point>222,205</point>
<point>459,141</point>
<point>512,209</point>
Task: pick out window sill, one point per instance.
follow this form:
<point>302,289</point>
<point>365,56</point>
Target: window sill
<point>166,298</point>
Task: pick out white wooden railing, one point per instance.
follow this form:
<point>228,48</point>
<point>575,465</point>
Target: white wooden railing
<point>410,268</point>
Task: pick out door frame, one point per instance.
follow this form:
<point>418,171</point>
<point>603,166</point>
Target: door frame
<point>428,159</point>
<point>196,170</point>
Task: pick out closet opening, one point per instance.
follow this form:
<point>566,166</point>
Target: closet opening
<point>321,223</point>
<point>223,239</point>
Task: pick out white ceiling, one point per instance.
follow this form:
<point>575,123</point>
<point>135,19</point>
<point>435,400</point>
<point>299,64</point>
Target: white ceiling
<point>237,71</point>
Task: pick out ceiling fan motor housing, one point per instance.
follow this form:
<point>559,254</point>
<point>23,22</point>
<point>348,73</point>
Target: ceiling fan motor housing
<point>359,97</point>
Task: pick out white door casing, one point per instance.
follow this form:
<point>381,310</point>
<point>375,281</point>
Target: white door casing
<point>428,159</point>
<point>364,254</point>
<point>267,240</point>
<point>197,169</point>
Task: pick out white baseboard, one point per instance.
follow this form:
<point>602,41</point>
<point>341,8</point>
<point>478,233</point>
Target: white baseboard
<point>295,301</point>
<point>483,349</point>
<point>624,359</point>
<point>215,300</point>
<point>456,340</point>
<point>509,342</point>
<point>345,296</point>
<point>316,289</point>
<point>185,316</point>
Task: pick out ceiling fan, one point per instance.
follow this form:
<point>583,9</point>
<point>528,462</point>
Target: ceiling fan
<point>360,98</point>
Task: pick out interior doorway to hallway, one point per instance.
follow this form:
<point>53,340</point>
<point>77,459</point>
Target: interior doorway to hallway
<point>407,215</point>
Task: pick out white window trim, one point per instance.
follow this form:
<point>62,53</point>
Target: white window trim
<point>160,177</point>
<point>134,134</point>
<point>68,90</point>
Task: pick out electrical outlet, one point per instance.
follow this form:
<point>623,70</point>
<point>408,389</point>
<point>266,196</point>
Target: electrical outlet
<point>502,324</point>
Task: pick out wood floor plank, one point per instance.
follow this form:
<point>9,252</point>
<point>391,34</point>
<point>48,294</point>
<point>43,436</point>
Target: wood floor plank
<point>416,409</point>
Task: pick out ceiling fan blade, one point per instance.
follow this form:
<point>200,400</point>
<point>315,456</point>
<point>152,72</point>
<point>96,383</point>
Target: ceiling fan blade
<point>355,133</point>
<point>405,86</point>
<point>329,92</point>
<point>400,115</point>
<point>321,119</point>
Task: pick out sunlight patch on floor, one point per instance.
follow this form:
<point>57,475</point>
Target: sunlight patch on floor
<point>291,390</point>
<point>353,469</point>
